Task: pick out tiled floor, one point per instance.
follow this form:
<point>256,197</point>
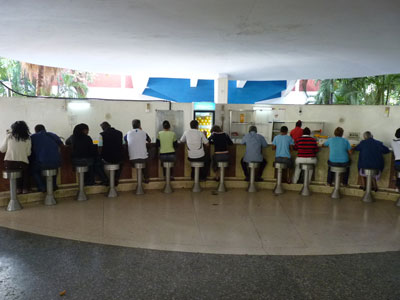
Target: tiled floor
<point>232,223</point>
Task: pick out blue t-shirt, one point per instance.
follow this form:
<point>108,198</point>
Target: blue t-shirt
<point>45,148</point>
<point>338,149</point>
<point>282,143</point>
<point>254,144</point>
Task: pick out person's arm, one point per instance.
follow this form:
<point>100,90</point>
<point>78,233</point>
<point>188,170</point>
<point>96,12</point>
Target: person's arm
<point>148,139</point>
<point>100,144</point>
<point>274,144</point>
<point>204,139</point>
<point>183,138</point>
<point>244,140</point>
<point>291,144</point>
<point>385,150</point>
<point>28,147</point>
<point>68,142</point>
<point>211,138</point>
<point>349,150</point>
<point>126,138</point>
<point>264,143</point>
<point>175,142</point>
<point>3,148</point>
<point>228,140</point>
<point>158,143</point>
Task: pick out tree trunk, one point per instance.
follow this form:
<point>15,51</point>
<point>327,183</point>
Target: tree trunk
<point>40,81</point>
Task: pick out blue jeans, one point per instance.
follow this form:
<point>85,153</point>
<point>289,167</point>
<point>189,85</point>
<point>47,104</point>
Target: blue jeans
<point>37,168</point>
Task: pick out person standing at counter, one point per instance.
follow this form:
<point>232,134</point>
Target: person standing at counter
<point>307,149</point>
<point>137,141</point>
<point>85,153</point>
<point>17,147</point>
<point>221,141</point>
<point>297,132</point>
<point>111,141</point>
<point>339,152</point>
<point>371,157</point>
<point>195,141</point>
<point>45,155</point>
<point>254,145</point>
<point>283,144</point>
<point>167,142</point>
<point>395,144</point>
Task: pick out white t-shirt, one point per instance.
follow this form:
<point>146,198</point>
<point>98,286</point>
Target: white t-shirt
<point>194,141</point>
<point>16,150</point>
<point>395,144</point>
<point>136,139</point>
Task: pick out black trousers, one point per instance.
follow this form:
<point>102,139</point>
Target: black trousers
<point>331,175</point>
<point>204,170</point>
<point>259,171</point>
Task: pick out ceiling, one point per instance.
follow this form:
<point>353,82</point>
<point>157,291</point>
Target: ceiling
<point>246,40</point>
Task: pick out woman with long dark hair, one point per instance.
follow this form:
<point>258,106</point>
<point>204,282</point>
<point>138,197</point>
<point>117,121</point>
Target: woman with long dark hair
<point>84,153</point>
<point>17,147</point>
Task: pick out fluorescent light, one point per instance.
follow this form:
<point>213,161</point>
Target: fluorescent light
<point>79,105</point>
<point>262,108</point>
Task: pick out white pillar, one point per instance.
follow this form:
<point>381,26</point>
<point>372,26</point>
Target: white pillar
<point>221,89</point>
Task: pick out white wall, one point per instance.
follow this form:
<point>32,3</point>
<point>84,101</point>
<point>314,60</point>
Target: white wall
<point>57,118</point>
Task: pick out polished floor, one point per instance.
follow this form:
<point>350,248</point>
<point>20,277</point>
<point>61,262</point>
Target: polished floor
<point>235,222</point>
<point>39,267</point>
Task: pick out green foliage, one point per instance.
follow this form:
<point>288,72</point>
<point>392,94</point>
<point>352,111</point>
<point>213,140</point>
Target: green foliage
<point>10,71</point>
<point>372,90</point>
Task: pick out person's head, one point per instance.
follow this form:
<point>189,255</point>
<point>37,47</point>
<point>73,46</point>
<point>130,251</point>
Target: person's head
<point>216,128</point>
<point>194,124</point>
<point>20,131</point>
<point>284,130</point>
<point>166,125</point>
<point>105,125</point>
<point>253,128</point>
<point>367,135</point>
<point>306,131</point>
<point>136,124</point>
<point>81,130</point>
<point>397,134</point>
<point>299,123</point>
<point>339,132</point>
<point>39,128</point>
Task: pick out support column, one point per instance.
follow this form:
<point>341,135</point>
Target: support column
<point>221,89</point>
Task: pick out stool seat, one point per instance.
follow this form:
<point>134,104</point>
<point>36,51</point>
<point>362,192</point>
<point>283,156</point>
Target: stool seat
<point>12,174</point>
<point>49,172</point>
<point>253,164</point>
<point>168,164</point>
<point>307,166</point>
<point>111,167</point>
<point>223,164</point>
<point>197,164</point>
<point>279,165</point>
<point>140,165</point>
<point>371,172</point>
<point>81,169</point>
<point>338,169</point>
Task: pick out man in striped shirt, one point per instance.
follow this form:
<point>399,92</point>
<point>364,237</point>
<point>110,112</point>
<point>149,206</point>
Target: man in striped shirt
<point>307,149</point>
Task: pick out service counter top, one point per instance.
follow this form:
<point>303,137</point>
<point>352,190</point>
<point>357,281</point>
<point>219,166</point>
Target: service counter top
<point>67,176</point>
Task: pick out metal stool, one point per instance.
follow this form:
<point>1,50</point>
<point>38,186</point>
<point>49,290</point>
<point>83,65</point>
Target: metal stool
<point>398,200</point>
<point>112,192</point>
<point>81,170</point>
<point>196,165</point>
<point>222,165</point>
<point>305,191</point>
<point>367,195</point>
<point>139,188</point>
<point>278,190</point>
<point>252,185</point>
<point>168,165</point>
<point>49,173</point>
<point>336,191</point>
<point>13,175</point>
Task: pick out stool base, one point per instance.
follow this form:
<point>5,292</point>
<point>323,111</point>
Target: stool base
<point>335,194</point>
<point>50,200</point>
<point>112,193</point>
<point>14,205</point>
<point>398,202</point>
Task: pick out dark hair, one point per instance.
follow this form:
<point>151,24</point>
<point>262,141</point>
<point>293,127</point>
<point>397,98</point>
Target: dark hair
<point>284,129</point>
<point>39,128</point>
<point>20,131</point>
<point>299,123</point>
<point>216,128</point>
<point>306,131</point>
<point>397,134</point>
<point>252,128</point>
<point>105,125</point>
<point>194,124</point>
<point>339,131</point>
<point>136,123</point>
<point>166,125</point>
<point>78,129</point>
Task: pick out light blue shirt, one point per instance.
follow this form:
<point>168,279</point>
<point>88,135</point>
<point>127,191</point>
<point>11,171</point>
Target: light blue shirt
<point>254,143</point>
<point>282,143</point>
<point>338,149</point>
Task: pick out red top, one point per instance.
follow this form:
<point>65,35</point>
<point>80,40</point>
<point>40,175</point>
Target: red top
<point>296,133</point>
<point>306,146</point>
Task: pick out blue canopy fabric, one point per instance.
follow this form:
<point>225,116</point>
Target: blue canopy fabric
<point>255,91</point>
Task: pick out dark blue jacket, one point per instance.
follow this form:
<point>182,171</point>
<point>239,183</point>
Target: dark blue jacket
<point>45,148</point>
<point>371,154</point>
